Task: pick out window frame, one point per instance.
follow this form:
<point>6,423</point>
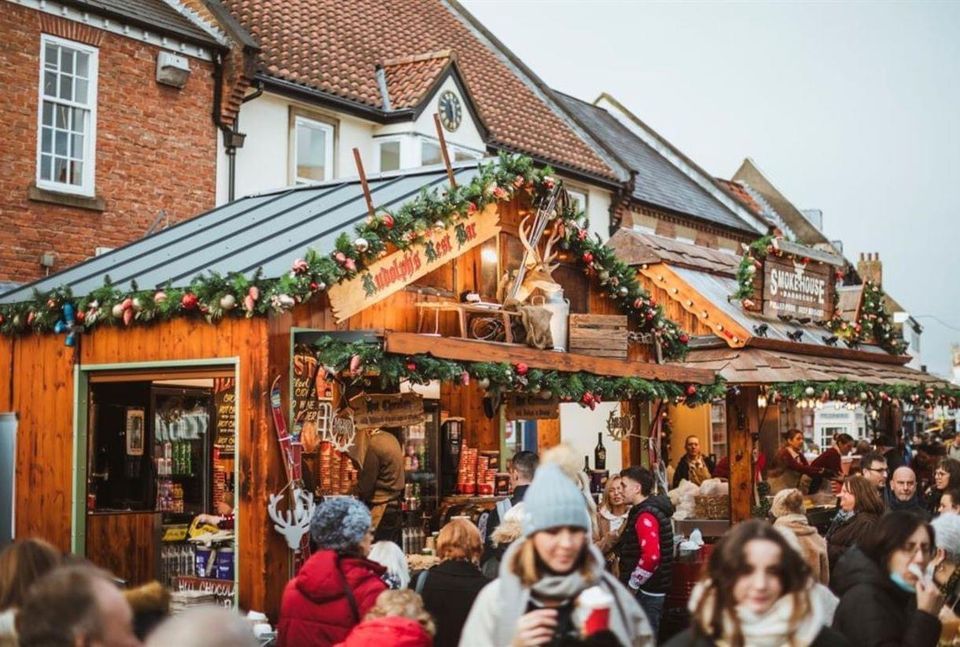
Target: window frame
<point>296,115</point>
<point>379,142</point>
<point>87,186</point>
<point>580,191</point>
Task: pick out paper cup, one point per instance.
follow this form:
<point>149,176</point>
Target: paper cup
<point>596,604</point>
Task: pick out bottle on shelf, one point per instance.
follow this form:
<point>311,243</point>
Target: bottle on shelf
<point>586,465</point>
<point>600,454</point>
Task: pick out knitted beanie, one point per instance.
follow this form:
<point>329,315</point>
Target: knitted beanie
<point>339,523</point>
<point>789,501</point>
<point>552,501</point>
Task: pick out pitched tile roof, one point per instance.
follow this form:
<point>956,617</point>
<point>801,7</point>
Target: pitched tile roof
<point>154,14</point>
<point>659,182</point>
<point>637,248</point>
<point>333,46</point>
<point>409,78</point>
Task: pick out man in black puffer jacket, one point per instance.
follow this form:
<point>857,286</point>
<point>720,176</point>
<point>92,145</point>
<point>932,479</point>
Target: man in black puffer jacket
<point>646,546</point>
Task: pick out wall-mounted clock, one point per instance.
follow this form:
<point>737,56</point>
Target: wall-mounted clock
<point>451,112</point>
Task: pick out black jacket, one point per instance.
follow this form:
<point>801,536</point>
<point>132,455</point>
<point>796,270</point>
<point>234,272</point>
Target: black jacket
<point>628,548</point>
<point>448,593</point>
<point>683,469</point>
<point>873,611</point>
<point>841,536</point>
<point>689,638</point>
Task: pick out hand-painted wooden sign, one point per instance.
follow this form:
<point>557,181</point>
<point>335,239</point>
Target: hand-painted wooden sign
<point>398,270</point>
<point>371,410</point>
<point>792,287</point>
<point>524,407</point>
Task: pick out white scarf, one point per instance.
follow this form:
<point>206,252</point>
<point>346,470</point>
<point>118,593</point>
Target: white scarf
<point>616,520</point>
<point>772,628</point>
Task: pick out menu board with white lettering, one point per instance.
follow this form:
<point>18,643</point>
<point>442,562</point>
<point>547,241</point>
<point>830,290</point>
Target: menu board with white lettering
<point>312,393</point>
<point>225,402</point>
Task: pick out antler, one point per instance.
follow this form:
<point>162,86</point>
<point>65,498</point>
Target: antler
<point>525,239</point>
<point>548,253</point>
<point>293,525</point>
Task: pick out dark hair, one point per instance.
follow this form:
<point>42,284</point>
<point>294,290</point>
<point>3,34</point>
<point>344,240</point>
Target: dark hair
<point>791,433</point>
<point>641,475</point>
<point>526,463</point>
<point>952,467</point>
<point>954,494</point>
<point>891,533</point>
<point>844,439</point>
<point>21,564</point>
<point>61,604</point>
<point>870,458</point>
<point>728,563</point>
<point>866,498</point>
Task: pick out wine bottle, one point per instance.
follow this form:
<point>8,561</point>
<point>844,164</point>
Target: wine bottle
<point>600,454</point>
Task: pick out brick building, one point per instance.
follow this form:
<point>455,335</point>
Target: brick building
<point>107,122</point>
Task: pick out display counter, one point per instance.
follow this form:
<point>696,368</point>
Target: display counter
<point>126,543</point>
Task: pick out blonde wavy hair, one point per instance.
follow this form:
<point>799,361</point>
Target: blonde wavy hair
<point>405,604</point>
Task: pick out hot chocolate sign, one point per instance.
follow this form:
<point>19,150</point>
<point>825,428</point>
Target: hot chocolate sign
<point>395,271</point>
<point>796,288</point>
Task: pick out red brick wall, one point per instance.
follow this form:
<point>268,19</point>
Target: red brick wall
<point>155,147</point>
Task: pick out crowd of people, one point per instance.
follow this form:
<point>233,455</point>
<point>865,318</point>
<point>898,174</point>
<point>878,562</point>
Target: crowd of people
<point>551,567</point>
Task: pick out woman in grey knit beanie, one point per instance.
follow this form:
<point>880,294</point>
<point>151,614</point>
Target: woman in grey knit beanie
<point>536,599</point>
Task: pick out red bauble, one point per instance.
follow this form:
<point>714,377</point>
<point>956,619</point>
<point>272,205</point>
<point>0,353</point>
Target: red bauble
<point>684,338</point>
<point>411,366</point>
<point>587,258</point>
<point>521,368</point>
<point>388,221</point>
<point>649,315</point>
<point>79,316</point>
<point>638,303</point>
<point>189,301</point>
<point>691,390</point>
<point>653,302</point>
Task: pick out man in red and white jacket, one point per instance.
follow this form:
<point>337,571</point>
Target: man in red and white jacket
<point>646,546</point>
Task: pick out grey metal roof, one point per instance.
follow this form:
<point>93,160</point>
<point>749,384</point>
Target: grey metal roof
<point>717,289</point>
<point>154,15</point>
<point>268,230</point>
<point>658,182</point>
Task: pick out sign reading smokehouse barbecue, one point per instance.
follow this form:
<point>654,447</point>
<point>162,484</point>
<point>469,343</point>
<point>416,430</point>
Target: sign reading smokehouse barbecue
<point>792,287</point>
<point>395,271</point>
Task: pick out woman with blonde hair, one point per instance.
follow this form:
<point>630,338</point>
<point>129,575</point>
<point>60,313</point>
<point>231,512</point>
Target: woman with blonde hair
<point>21,564</point>
<point>757,592</point>
<point>860,511</point>
<point>450,587</point>
<point>610,521</point>
<point>398,619</point>
<point>543,575</point>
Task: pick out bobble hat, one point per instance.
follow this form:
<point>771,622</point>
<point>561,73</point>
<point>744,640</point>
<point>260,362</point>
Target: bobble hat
<point>552,501</point>
<point>339,523</point>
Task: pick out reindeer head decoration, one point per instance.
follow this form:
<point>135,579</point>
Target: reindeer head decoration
<point>539,267</point>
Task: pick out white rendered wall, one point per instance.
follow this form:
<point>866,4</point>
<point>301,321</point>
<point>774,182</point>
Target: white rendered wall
<point>579,427</point>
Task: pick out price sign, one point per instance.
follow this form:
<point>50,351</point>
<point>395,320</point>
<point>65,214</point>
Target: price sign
<point>225,402</point>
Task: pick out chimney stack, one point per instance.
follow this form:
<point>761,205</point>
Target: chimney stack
<point>870,268</point>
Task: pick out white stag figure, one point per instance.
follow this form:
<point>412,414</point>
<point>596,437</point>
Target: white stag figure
<point>293,524</point>
<point>537,271</point>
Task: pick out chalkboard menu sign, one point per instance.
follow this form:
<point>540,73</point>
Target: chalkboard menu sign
<point>311,399</point>
<point>225,402</point>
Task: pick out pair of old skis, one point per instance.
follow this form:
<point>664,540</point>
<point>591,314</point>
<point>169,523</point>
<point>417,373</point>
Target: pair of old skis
<point>292,453</point>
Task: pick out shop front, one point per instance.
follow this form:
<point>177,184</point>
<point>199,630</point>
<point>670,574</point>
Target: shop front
<point>166,432</point>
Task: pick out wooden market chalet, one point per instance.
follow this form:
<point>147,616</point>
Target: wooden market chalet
<point>133,369</point>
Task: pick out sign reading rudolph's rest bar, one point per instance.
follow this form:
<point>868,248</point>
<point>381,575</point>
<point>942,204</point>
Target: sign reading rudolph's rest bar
<point>797,288</point>
<point>401,268</point>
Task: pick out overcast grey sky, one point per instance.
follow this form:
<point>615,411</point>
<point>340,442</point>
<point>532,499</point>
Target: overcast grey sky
<point>850,108</point>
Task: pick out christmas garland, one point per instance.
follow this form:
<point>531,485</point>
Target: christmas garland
<point>214,296</point>
<point>747,271</point>
<point>360,362</point>
<point>873,323</point>
<point>865,394</point>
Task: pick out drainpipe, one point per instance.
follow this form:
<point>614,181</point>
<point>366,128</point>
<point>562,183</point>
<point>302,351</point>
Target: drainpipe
<point>232,137</point>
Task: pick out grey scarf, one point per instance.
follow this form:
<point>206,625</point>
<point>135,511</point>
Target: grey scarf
<point>627,620</point>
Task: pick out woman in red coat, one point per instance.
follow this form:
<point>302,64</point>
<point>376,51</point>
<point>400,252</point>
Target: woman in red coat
<point>338,585</point>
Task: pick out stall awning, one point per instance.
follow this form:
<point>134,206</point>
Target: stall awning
<point>473,350</point>
<point>762,366</point>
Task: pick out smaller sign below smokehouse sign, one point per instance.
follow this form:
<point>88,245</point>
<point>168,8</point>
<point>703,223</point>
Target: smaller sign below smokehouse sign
<point>527,407</point>
<point>373,410</point>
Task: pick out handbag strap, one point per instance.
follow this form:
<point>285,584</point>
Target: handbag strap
<point>351,599</point>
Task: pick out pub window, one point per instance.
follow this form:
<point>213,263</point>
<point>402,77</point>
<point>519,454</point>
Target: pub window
<point>68,116</point>
<point>578,198</point>
<point>430,154</point>
<point>389,156</point>
<point>312,150</point>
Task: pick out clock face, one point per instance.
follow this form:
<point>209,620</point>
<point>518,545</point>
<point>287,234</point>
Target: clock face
<point>450,110</point>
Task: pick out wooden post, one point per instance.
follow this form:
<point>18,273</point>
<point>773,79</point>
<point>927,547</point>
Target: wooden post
<point>742,426</point>
<point>363,182</point>
<point>443,150</point>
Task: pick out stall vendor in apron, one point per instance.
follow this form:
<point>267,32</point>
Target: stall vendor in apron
<point>380,484</point>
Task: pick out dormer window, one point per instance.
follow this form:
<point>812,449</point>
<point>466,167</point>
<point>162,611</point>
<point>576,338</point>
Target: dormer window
<point>311,149</point>
<point>430,153</point>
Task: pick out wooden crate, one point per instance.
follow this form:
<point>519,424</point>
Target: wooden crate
<point>599,335</point>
